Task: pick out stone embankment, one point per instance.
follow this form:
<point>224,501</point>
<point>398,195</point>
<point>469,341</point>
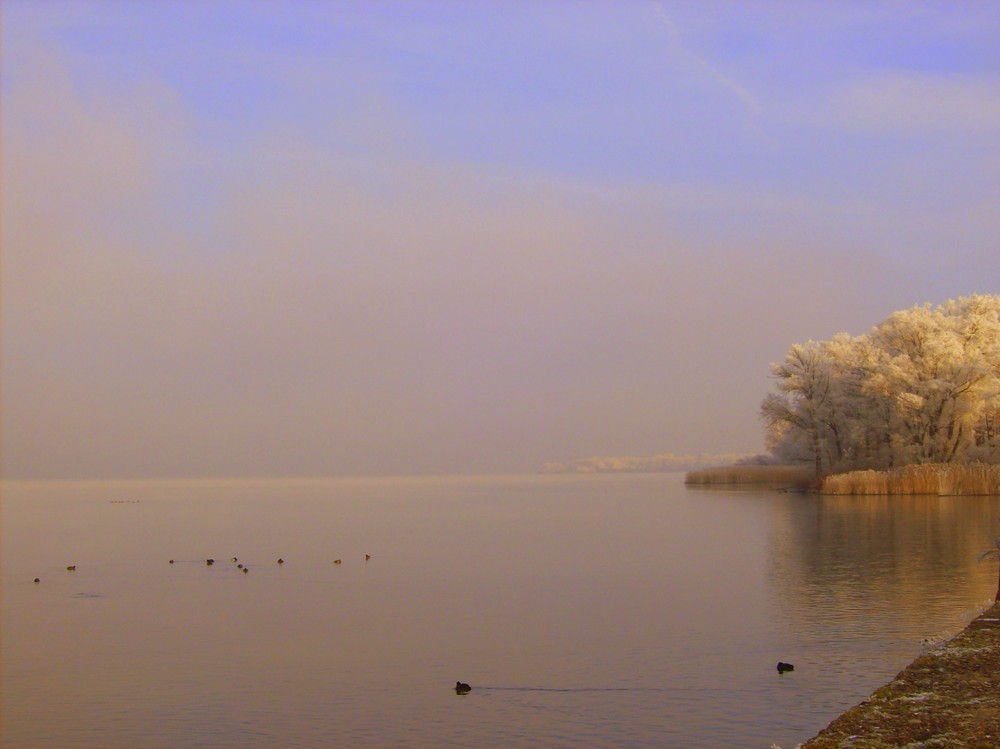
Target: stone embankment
<point>949,697</point>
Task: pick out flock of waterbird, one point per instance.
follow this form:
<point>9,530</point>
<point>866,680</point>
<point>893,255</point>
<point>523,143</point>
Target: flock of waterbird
<point>209,562</point>
<point>240,566</point>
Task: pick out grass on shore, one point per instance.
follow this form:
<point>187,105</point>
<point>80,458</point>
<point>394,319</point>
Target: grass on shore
<point>942,479</point>
<point>789,475</point>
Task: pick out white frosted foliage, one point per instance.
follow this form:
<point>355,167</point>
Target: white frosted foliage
<point>922,387</point>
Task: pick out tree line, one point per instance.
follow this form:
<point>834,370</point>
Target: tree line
<point>922,387</point>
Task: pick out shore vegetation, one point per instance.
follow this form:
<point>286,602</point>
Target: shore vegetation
<point>941,479</point>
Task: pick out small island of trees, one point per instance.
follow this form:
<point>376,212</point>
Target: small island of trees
<point>917,400</point>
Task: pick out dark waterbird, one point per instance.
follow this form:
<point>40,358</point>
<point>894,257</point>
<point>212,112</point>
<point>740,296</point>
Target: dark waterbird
<point>71,568</point>
<point>461,688</point>
<point>783,667</point>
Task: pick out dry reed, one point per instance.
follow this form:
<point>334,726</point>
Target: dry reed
<point>750,474</point>
<point>942,479</point>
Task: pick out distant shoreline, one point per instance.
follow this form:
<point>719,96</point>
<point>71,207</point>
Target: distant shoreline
<point>662,463</point>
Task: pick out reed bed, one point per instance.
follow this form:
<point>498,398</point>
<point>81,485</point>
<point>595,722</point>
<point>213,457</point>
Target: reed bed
<point>750,474</point>
<point>941,479</point>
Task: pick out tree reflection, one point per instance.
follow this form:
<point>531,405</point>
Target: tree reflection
<point>837,558</point>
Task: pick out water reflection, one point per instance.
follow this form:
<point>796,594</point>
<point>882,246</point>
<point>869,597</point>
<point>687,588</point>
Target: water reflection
<point>913,555</point>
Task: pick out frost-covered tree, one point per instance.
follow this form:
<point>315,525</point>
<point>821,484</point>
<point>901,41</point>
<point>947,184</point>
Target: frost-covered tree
<point>801,408</point>
<point>923,386</point>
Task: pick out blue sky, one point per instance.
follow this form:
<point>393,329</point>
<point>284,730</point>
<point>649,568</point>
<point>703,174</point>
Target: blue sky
<point>354,238</point>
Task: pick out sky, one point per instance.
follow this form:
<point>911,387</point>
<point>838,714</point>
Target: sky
<point>379,238</point>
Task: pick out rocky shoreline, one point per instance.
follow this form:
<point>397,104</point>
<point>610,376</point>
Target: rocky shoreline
<point>949,697</point>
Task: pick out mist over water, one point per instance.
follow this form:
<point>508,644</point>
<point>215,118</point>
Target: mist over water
<point>620,610</point>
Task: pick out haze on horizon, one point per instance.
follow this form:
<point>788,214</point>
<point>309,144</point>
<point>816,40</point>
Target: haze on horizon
<point>248,238</point>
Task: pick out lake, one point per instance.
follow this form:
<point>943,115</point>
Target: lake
<point>585,611</point>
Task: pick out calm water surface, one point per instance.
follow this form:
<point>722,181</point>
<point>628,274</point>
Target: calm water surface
<point>586,611</point>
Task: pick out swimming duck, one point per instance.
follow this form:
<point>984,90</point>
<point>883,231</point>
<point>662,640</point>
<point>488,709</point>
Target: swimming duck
<point>281,561</point>
<point>209,562</point>
<point>338,561</point>
<point>71,567</point>
<point>461,688</point>
<point>783,667</point>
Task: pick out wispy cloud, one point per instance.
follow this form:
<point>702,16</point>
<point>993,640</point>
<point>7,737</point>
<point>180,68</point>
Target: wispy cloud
<point>704,68</point>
